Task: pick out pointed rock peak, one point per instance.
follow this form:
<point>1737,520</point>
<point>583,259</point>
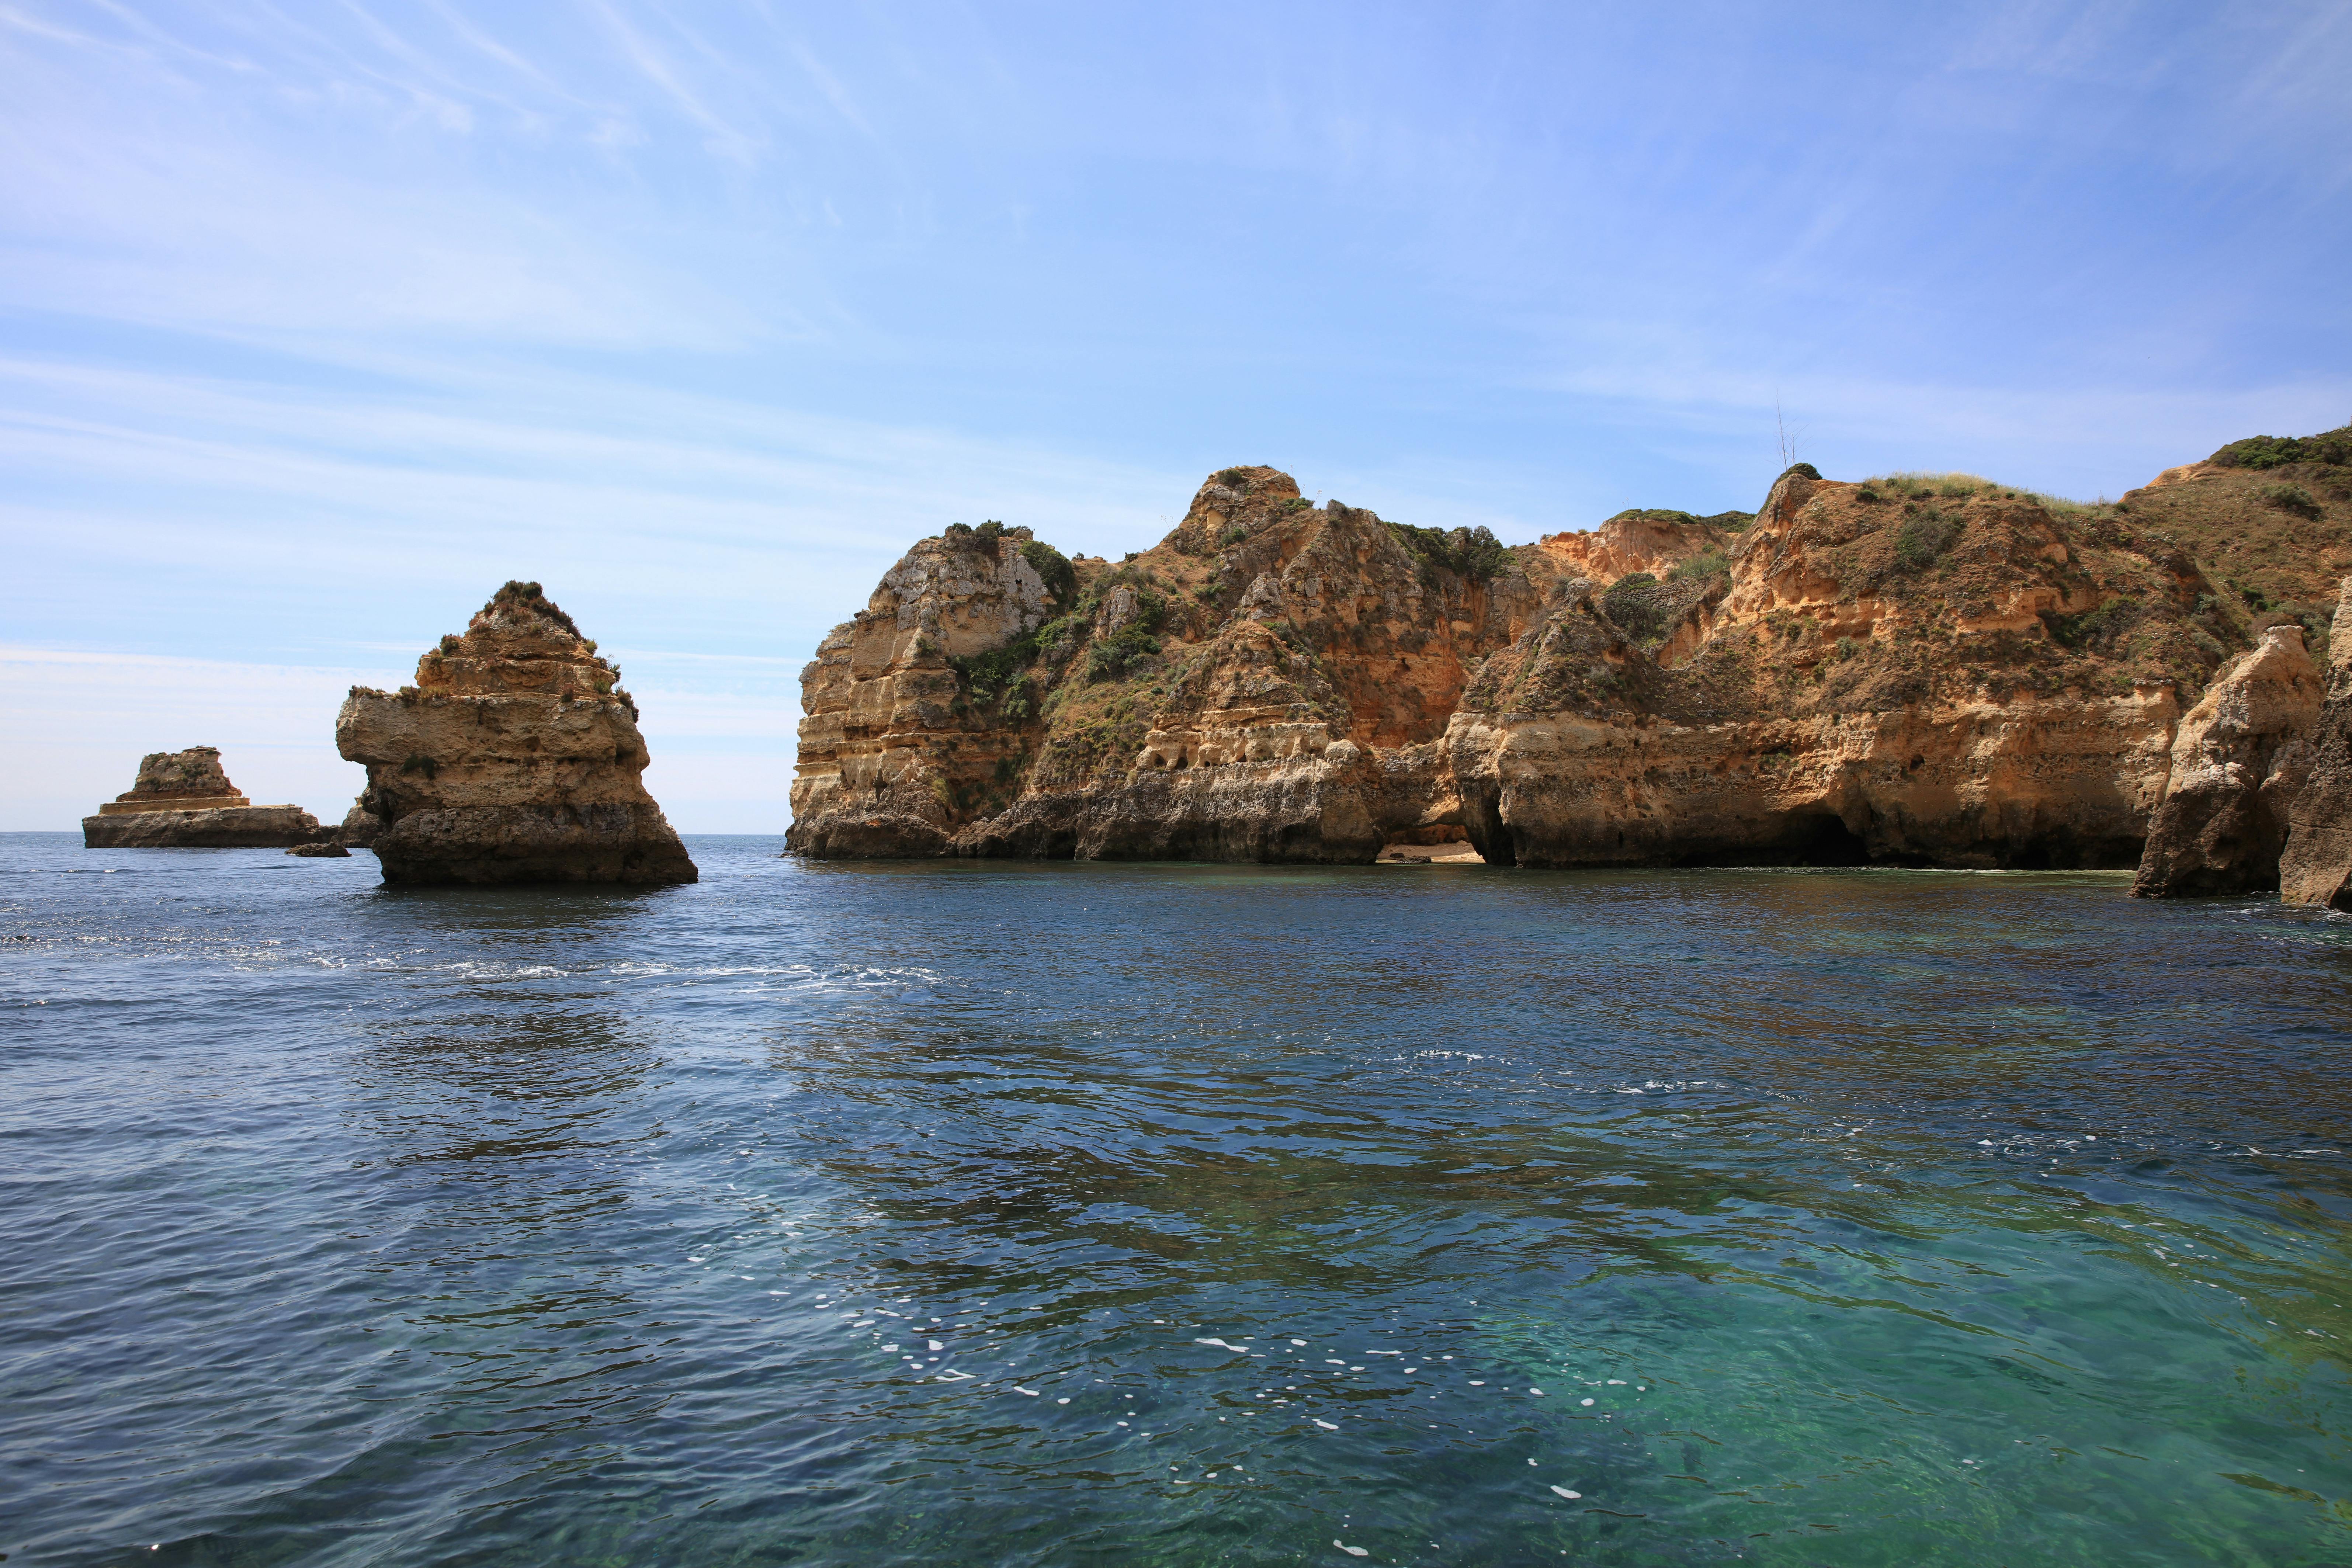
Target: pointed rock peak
<point>520,641</point>
<point>1229,486</point>
<point>520,607</point>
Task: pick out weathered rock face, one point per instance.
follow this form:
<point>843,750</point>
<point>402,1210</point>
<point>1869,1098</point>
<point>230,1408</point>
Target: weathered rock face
<point>2316,866</point>
<point>182,800</point>
<point>1914,669</point>
<point>2224,815</point>
<point>513,758</point>
<point>888,740</point>
<point>1266,685</point>
<point>192,780</point>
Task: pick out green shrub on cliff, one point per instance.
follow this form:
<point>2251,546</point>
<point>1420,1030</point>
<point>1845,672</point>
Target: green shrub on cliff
<point>1923,534</point>
<point>2098,627</point>
<point>1115,655</point>
<point>1637,602</point>
<point>1472,553</point>
<point>1052,569</point>
<point>2290,498</point>
<point>1707,563</point>
<point>2270,452</point>
<point>988,676</point>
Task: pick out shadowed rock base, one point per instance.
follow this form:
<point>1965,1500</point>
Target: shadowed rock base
<point>483,845</point>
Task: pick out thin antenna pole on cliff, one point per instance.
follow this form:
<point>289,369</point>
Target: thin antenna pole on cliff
<point>1788,448</point>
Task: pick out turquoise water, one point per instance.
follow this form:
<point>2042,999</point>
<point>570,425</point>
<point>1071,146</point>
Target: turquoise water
<point>1077,1213</point>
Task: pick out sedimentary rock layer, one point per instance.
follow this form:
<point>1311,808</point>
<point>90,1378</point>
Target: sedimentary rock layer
<point>1916,669</point>
<point>514,758</point>
<point>182,800</point>
<point>227,827</point>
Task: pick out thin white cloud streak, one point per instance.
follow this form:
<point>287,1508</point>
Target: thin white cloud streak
<point>79,722</point>
<point>605,459</point>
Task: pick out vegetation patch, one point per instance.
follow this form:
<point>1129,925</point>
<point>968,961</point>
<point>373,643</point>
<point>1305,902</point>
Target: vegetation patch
<point>2270,451</point>
<point>527,595</point>
<point>1114,655</point>
<point>1707,563</point>
<point>1052,569</point>
<point>2098,629</point>
<point>1637,602</point>
<point>989,676</point>
<point>1472,553</point>
<point>2290,498</point>
<point>1923,534</point>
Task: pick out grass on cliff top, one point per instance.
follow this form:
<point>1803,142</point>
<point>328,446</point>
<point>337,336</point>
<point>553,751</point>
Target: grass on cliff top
<point>1953,485</point>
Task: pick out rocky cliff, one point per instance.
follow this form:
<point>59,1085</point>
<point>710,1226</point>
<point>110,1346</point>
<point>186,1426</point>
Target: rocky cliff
<point>2316,866</point>
<point>2234,776</point>
<point>1917,670</point>
<point>514,758</point>
<point>182,800</point>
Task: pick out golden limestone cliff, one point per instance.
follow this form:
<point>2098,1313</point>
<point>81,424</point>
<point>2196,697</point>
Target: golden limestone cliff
<point>1912,669</point>
<point>182,800</point>
<point>514,758</point>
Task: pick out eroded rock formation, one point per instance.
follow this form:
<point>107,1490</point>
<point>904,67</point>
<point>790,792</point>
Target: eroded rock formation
<point>2316,866</point>
<point>2223,819</point>
<point>182,800</point>
<point>514,758</point>
<point>1917,670</point>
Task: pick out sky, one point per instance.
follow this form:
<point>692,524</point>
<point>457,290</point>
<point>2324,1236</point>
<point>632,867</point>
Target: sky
<point>320,322</point>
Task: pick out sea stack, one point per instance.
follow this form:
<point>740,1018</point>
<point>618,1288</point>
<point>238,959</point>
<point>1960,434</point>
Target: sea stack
<point>514,758</point>
<point>182,800</point>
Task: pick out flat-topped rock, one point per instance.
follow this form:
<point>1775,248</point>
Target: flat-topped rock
<point>515,758</point>
<point>183,800</point>
<point>192,780</point>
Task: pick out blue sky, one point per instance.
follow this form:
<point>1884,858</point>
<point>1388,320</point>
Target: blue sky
<point>322,321</point>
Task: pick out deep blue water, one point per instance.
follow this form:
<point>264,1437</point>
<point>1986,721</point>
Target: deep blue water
<point>944,1213</point>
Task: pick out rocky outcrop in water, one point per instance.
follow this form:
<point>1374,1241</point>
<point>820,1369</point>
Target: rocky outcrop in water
<point>2316,866</point>
<point>2223,819</point>
<point>183,800</point>
<point>514,758</point>
<point>1914,669</point>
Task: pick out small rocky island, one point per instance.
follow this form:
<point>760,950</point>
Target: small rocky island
<point>514,758</point>
<point>182,800</point>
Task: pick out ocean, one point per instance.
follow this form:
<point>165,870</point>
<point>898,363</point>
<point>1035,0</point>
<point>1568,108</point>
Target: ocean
<point>942,1213</point>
